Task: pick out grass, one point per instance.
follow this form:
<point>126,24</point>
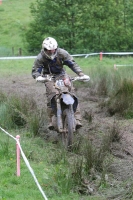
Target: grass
<point>22,187</point>
<point>91,66</point>
<point>62,175</point>
<point>16,67</point>
<point>51,176</point>
<point>15,17</point>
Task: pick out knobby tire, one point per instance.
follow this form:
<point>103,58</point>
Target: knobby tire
<point>67,137</point>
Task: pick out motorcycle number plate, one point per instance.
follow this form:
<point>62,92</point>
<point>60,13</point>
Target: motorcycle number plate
<point>60,83</point>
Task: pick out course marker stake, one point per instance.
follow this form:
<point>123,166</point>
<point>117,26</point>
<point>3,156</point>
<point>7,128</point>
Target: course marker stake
<point>101,55</point>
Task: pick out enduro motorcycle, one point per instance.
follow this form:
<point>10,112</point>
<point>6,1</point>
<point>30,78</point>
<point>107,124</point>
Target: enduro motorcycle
<point>64,105</point>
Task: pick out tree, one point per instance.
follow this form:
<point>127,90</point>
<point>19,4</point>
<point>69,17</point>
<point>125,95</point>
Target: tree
<point>82,26</point>
<point>61,19</point>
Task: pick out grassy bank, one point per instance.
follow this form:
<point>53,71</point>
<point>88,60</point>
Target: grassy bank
<point>15,17</point>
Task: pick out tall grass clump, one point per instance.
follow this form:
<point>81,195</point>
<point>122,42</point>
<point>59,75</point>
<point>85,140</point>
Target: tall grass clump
<point>89,166</point>
<point>37,122</point>
<point>122,101</point>
<point>104,79</point>
<point>94,158</point>
<point>20,112</point>
<point>2,97</point>
<point>93,163</point>
<point>114,84</point>
<point>4,148</point>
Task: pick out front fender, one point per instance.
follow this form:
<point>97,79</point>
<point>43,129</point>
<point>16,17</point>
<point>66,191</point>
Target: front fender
<point>67,99</point>
<point>72,100</point>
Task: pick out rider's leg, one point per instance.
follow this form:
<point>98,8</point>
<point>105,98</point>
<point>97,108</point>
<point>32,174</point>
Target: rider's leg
<point>50,116</point>
<point>50,92</point>
<point>78,118</point>
<point>77,114</point>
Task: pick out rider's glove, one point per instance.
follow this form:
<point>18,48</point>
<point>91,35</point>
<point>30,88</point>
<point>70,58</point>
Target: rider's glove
<point>40,79</point>
<point>84,78</point>
<point>81,74</point>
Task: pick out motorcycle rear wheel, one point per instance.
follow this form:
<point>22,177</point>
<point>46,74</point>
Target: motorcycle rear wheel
<point>67,135</point>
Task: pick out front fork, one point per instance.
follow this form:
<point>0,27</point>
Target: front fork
<point>59,116</point>
<point>73,117</point>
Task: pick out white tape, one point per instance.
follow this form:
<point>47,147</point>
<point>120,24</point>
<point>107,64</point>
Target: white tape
<point>124,65</point>
<point>17,58</point>
<point>75,55</point>
<point>27,163</point>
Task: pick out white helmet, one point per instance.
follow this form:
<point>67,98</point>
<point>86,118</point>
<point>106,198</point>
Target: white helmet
<point>50,44</point>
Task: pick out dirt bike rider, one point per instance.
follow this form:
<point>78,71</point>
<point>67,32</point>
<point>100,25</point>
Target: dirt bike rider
<point>50,61</point>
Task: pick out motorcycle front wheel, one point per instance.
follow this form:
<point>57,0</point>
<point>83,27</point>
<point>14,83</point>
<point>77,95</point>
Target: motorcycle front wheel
<point>67,135</point>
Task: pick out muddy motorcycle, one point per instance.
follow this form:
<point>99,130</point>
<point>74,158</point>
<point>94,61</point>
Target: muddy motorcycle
<point>64,105</point>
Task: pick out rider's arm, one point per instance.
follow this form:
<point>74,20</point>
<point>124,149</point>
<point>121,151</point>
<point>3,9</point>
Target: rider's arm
<point>69,61</point>
<point>37,67</point>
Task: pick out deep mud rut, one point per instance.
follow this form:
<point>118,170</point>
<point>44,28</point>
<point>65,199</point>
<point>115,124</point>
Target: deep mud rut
<point>96,121</point>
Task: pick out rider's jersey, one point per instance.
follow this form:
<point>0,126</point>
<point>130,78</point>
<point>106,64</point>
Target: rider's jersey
<point>43,65</point>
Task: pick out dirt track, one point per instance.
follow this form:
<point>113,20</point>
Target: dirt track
<point>122,167</point>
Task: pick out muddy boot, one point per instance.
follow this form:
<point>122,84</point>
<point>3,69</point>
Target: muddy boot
<point>50,126</point>
<point>78,118</point>
<point>50,115</point>
<point>78,124</point>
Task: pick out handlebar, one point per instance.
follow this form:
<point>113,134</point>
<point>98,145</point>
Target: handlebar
<point>47,78</point>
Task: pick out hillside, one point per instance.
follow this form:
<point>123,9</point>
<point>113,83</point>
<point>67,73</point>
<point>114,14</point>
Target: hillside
<point>14,19</point>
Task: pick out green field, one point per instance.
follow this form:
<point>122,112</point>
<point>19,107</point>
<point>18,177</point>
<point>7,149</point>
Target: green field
<point>91,66</point>
<point>14,19</point>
